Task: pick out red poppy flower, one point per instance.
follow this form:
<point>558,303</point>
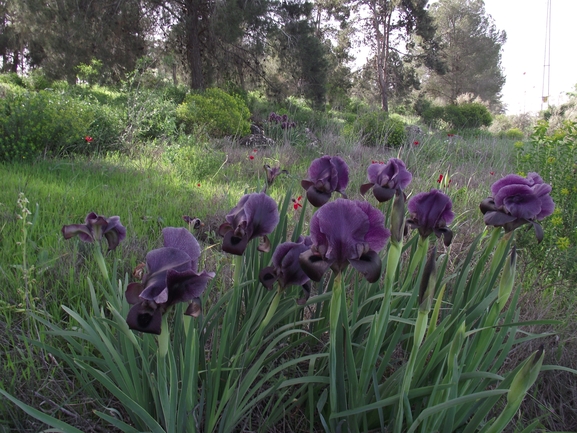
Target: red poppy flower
<point>416,143</point>
<point>255,150</point>
<point>492,173</point>
<point>88,139</point>
<point>251,157</point>
<point>198,184</point>
<point>440,179</point>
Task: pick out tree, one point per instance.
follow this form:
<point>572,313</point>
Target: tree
<point>471,50</point>
<point>395,29</point>
<point>60,35</point>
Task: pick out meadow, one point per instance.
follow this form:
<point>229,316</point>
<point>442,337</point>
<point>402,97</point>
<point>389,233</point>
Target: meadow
<point>448,338</point>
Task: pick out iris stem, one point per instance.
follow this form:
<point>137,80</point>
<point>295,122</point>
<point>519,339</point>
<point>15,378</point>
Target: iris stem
<point>164,337</point>
<point>336,361</point>
<point>100,261</point>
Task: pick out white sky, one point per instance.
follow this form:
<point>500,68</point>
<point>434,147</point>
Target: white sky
<point>524,52</point>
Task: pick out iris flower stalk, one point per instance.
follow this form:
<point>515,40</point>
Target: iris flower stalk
<point>426,293</point>
<point>344,232</point>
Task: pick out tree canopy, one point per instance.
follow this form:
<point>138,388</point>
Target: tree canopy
<point>471,49</point>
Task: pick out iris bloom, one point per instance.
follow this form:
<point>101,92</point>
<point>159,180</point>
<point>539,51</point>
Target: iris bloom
<point>430,212</point>
<point>171,276</point>
<point>255,215</point>
<point>345,232</point>
<point>286,267</point>
<point>517,201</point>
<point>95,227</point>
<point>272,173</point>
<point>386,179</point>
<point>325,176</point>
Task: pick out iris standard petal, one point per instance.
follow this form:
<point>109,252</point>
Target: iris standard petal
<point>182,239</point>
<point>261,214</point>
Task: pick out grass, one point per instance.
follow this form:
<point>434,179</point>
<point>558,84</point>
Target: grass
<point>154,189</point>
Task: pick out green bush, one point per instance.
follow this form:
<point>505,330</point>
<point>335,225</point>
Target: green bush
<point>464,116</point>
<point>220,113</point>
<point>554,158</point>
<point>514,134</point>
<point>43,123</point>
<point>377,128</point>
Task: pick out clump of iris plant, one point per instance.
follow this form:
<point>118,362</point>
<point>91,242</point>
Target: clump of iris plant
<point>286,269</point>
<point>171,276</point>
<point>95,227</point>
<point>255,215</point>
<point>345,232</point>
<point>326,175</point>
<point>517,201</point>
<point>386,179</point>
<point>430,212</point>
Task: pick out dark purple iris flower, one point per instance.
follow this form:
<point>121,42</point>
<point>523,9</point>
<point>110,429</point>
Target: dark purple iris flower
<point>286,268</point>
<point>430,212</point>
<point>346,232</point>
<point>171,276</point>
<point>517,201</point>
<point>386,179</point>
<point>325,176</point>
<point>255,215</point>
<point>95,227</point>
<point>272,173</point>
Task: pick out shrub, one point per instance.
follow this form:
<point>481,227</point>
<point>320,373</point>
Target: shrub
<point>514,134</point>
<point>554,157</point>
<point>469,115</point>
<point>221,113</point>
<point>378,128</point>
<point>44,123</point>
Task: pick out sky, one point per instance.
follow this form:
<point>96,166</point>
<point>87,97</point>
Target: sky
<point>523,55</point>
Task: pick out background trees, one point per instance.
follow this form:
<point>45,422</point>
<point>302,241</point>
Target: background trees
<point>471,49</point>
<point>291,47</point>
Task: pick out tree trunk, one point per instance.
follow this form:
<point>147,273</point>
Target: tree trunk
<point>193,51</point>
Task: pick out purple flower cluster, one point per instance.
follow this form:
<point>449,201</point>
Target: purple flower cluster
<point>283,120</point>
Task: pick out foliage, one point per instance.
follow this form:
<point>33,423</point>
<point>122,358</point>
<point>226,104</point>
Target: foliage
<point>376,128</point>
<point>44,123</point>
<point>263,351</point>
<point>556,156</point>
<point>220,113</point>
<point>462,116</point>
<point>471,48</point>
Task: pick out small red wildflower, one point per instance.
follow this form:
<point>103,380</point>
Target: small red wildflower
<point>492,173</point>
<point>198,184</point>
<point>450,135</point>
<point>296,202</point>
<point>416,143</point>
<point>255,150</point>
<point>440,179</point>
<point>88,139</point>
<point>251,157</point>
